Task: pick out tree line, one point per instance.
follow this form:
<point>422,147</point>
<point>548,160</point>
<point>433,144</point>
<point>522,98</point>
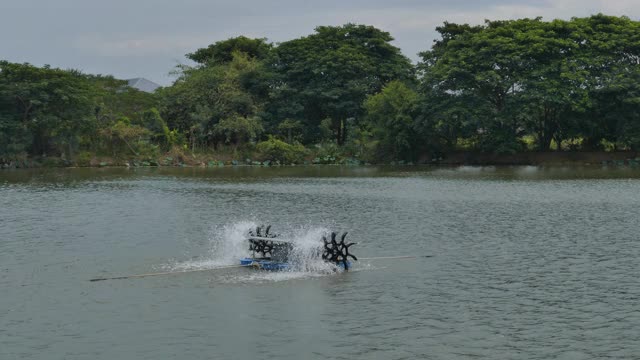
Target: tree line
<point>346,92</point>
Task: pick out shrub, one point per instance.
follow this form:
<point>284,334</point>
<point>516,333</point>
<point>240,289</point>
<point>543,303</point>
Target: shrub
<point>501,142</point>
<point>157,127</point>
<point>328,154</point>
<point>84,158</point>
<point>277,150</point>
<point>147,149</point>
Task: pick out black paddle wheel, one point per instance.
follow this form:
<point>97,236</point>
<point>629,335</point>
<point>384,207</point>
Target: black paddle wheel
<point>337,252</point>
<point>260,243</point>
<point>267,246</point>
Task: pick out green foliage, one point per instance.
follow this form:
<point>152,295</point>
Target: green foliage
<point>330,73</point>
<point>390,115</point>
<point>15,137</point>
<point>277,150</point>
<point>158,130</point>
<point>216,104</point>
<point>502,87</point>
<point>238,129</point>
<point>363,144</point>
<point>527,76</point>
<point>500,141</point>
<point>53,105</point>
<point>45,111</point>
<point>329,153</point>
<point>290,128</point>
<point>84,158</point>
<point>223,51</point>
<point>114,99</point>
<point>124,138</point>
<point>325,132</point>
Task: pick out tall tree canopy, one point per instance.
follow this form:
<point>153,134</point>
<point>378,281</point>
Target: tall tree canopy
<point>330,73</point>
<point>534,77</point>
<point>47,111</point>
<point>222,51</point>
<point>216,103</point>
<point>43,108</point>
<point>503,86</point>
<point>391,115</point>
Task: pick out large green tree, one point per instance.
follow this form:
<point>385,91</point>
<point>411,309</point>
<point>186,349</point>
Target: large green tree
<point>54,106</point>
<point>391,116</point>
<point>114,99</point>
<point>485,63</point>
<point>223,51</point>
<point>214,103</point>
<point>612,49</point>
<point>534,77</point>
<point>329,74</point>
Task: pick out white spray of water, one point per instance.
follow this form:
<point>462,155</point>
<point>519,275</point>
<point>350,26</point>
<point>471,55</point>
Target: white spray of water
<point>307,250</point>
<point>229,244</point>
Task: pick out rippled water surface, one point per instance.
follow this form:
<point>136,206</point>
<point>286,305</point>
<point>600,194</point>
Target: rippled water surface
<point>527,263</point>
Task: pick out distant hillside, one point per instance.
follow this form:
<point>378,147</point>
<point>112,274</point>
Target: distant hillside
<point>143,84</point>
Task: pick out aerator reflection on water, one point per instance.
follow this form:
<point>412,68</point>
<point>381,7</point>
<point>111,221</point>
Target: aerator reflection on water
<point>269,252</point>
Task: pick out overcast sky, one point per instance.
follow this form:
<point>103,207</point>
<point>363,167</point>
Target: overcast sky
<point>147,38</point>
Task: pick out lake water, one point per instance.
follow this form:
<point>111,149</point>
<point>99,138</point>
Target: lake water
<point>527,263</point>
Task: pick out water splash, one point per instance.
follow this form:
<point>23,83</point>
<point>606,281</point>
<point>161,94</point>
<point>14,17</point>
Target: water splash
<point>229,242</point>
<point>229,245</point>
<point>307,251</point>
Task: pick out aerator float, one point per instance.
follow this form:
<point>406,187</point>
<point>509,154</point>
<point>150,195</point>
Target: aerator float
<point>269,252</point>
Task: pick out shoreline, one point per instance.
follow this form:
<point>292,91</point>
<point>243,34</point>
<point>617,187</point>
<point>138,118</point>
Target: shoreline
<point>459,158</point>
<point>621,158</point>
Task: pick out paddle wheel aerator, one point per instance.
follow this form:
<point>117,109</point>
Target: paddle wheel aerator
<point>269,252</point>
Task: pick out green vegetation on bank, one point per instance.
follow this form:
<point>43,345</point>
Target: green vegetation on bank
<point>343,94</point>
